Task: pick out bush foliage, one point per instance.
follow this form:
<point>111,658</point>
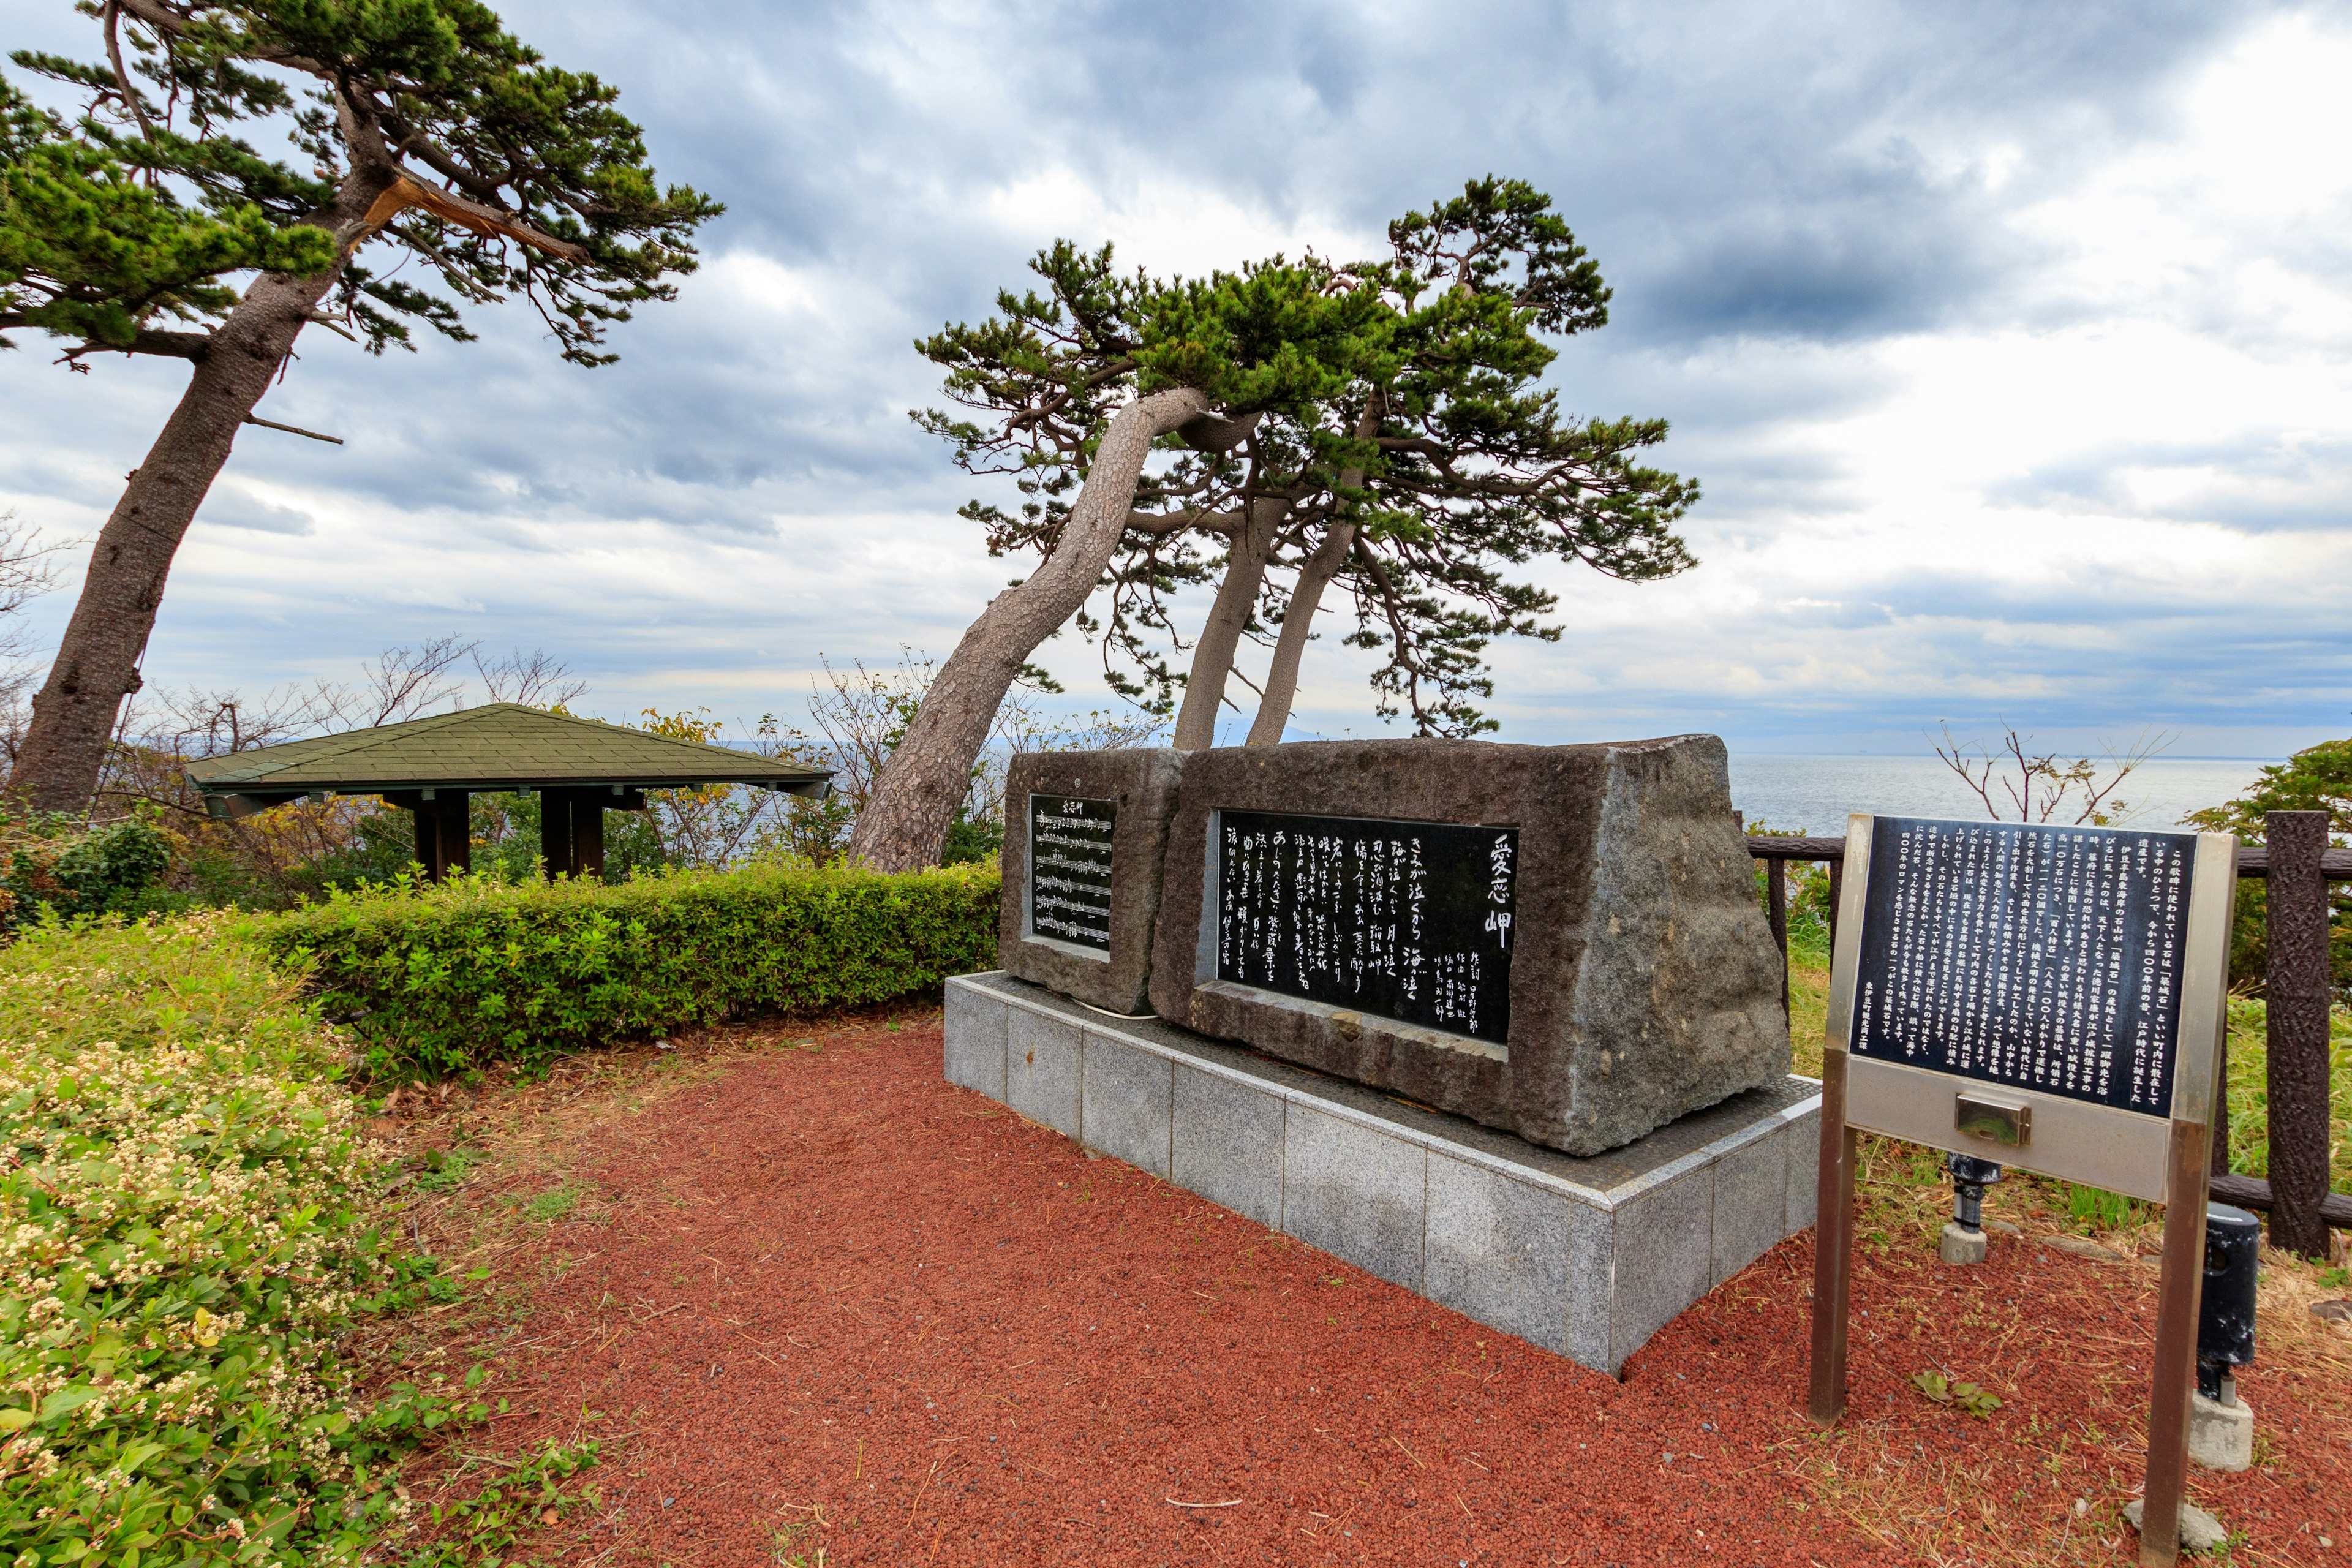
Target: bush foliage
<point>48,861</point>
<point>439,978</point>
<point>183,1236</point>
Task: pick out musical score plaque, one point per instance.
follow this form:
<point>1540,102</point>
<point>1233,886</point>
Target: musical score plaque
<point>1408,919</point>
<point>1069,869</point>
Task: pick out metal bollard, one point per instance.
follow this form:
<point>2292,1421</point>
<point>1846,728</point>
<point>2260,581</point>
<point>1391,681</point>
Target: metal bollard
<point>2225,1326</point>
<point>1970,1177</point>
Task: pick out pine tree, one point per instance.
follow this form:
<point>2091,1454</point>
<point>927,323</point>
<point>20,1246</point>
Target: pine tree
<point>420,127</point>
<point>1389,436</point>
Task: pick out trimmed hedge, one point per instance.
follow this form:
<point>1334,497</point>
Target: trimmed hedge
<point>436,979</point>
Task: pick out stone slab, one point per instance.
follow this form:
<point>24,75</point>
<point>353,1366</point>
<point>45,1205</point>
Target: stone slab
<point>1587,1256</point>
<point>1358,1193</point>
<point>1226,1143</point>
<point>975,1049</point>
<point>1143,784</point>
<point>1643,982</point>
<point>1125,1106</point>
<point>1043,1062</point>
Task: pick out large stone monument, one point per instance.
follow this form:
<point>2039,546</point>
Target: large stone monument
<point>1498,1023</point>
<point>1563,940</point>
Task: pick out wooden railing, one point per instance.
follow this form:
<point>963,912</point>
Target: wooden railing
<point>2299,865</point>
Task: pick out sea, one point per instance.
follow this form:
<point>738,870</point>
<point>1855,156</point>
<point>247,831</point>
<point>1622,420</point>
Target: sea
<point>1814,794</point>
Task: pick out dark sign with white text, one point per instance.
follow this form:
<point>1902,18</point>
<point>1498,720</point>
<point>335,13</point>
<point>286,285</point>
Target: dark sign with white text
<point>1069,869</point>
<point>2045,958</point>
<point>1408,919</point>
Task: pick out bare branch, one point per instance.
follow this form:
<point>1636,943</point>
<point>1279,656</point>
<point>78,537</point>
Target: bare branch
<point>535,679</point>
<point>406,191</point>
<point>403,682</point>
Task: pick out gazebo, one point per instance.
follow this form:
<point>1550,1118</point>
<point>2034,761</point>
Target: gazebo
<point>580,769</point>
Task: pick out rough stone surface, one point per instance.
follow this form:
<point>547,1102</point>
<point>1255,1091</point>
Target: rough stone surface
<point>1143,782</point>
<point>1587,1256</point>
<point>2200,1531</point>
<point>1645,984</point>
<point>1961,1246</point>
<point>2220,1437</point>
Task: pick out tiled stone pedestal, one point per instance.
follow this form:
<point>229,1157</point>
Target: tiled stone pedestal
<point>1588,1258</point>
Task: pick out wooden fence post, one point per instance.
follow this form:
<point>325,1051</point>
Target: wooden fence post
<point>1776,913</point>
<point>2298,983</point>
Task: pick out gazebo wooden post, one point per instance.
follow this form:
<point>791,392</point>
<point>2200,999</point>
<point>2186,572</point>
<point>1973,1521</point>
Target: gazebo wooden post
<point>555,832</point>
<point>444,841</point>
<point>588,834</point>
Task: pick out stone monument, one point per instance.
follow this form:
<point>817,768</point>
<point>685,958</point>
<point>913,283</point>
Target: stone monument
<point>1085,833</point>
<point>1562,941</point>
<point>1500,1024</point>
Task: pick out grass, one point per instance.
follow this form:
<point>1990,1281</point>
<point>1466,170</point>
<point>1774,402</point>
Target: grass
<point>201,1252</point>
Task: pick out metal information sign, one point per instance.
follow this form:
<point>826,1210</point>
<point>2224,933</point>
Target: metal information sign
<point>1408,919</point>
<point>1069,869</point>
<point>2050,998</point>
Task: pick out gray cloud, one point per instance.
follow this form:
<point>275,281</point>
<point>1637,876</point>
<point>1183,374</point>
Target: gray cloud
<point>1812,178</point>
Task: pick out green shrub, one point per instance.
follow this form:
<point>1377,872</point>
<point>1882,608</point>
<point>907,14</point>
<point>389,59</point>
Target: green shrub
<point>182,1241</point>
<point>48,861</point>
<point>439,978</point>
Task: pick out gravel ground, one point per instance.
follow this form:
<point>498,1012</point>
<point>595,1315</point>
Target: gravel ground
<point>824,1307</point>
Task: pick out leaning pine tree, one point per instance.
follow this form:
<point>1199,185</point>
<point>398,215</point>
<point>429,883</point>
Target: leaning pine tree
<point>424,127</point>
<point>1420,465</point>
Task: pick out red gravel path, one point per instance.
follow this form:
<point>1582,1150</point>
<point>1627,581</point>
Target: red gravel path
<point>836,1298</point>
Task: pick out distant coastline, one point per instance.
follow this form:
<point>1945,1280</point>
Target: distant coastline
<point>1813,792</point>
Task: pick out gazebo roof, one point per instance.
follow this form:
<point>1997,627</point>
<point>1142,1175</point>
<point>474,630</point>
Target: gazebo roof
<point>501,746</point>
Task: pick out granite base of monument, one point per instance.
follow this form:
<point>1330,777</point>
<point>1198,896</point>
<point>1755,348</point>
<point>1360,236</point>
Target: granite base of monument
<point>1587,1257</point>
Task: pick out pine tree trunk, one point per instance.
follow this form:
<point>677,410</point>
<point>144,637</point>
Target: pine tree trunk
<point>1297,620</point>
<point>97,662</point>
<point>1213,655</point>
<point>906,819</point>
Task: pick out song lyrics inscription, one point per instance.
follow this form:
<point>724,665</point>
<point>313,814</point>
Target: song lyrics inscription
<point>1408,919</point>
<point>1069,869</point>
<point>2046,958</point>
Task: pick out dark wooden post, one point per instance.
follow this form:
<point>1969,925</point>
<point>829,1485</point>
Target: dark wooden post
<point>456,831</point>
<point>588,834</point>
<point>443,842</point>
<point>426,817</point>
<point>2297,1009</point>
<point>2219,1165</point>
<point>1832,1242</point>
<point>555,832</point>
<point>1776,910</point>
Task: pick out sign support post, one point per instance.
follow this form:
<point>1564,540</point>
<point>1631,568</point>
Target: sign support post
<point>1969,1058</point>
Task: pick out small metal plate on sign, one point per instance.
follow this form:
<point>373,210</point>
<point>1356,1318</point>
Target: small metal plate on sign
<point>2009,1122</point>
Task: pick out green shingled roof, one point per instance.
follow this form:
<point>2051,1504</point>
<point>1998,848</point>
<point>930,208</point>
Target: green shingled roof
<point>502,746</point>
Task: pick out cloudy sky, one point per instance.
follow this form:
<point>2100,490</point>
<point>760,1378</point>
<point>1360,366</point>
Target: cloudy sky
<point>2012,344</point>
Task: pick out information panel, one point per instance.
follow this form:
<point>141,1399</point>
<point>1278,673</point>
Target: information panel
<point>1408,919</point>
<point>2045,958</point>
<point>1069,869</point>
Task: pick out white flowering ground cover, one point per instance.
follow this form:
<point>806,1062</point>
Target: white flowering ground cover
<point>186,1234</point>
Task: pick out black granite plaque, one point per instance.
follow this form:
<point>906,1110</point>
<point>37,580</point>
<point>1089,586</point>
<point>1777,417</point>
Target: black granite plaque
<point>1408,919</point>
<point>2046,958</point>
<point>1069,869</point>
